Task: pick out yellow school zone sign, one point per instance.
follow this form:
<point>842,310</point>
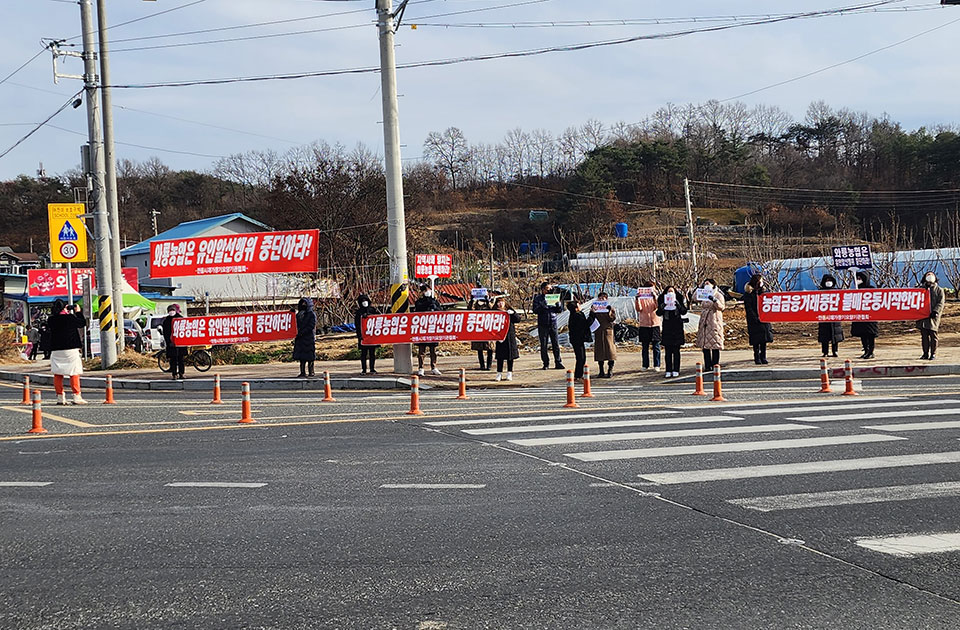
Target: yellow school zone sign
<point>68,236</point>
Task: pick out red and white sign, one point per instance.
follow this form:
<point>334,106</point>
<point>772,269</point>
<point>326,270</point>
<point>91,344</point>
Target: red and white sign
<point>437,265</point>
<point>53,282</point>
<point>870,305</point>
<point>435,327</point>
<point>256,252</point>
<point>244,328</point>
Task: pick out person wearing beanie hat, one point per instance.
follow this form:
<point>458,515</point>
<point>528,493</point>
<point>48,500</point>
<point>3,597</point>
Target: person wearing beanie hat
<point>177,355</point>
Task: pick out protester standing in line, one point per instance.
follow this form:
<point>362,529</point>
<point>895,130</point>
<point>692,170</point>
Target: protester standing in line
<point>482,347</point>
<point>368,354</point>
<point>829,334</point>
<point>710,332</point>
<point>175,354</point>
<point>65,343</point>
<point>671,308</point>
<point>426,303</point>
<point>604,344</point>
<point>578,330</point>
<point>867,331</point>
<point>305,343</point>
<point>760,333</point>
<point>45,339</point>
<point>930,327</point>
<point>547,326</point>
<point>649,323</point>
<point>33,338</point>
<point>507,350</point>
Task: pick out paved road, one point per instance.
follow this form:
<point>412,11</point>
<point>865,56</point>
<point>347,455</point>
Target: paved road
<point>644,508</point>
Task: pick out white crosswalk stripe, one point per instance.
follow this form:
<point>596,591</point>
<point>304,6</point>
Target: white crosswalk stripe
<point>654,435</point>
<point>857,496</point>
<point>876,415</point>
<point>917,426</point>
<point>840,407</point>
<point>571,426</point>
<point>566,416</point>
<point>911,545</point>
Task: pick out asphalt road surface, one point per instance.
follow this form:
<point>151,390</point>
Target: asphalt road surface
<point>644,508</point>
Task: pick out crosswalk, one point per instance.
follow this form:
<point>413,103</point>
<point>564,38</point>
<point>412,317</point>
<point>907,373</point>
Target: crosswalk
<point>835,452</point>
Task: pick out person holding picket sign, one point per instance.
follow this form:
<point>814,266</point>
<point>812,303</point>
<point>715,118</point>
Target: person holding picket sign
<point>760,333</point>
<point>507,351</point>
<point>867,331</point>
<point>671,308</point>
<point>426,303</point>
<point>482,347</point>
<point>929,327</point>
<point>710,332</point>
<point>604,344</point>
<point>579,335</point>
<point>649,323</point>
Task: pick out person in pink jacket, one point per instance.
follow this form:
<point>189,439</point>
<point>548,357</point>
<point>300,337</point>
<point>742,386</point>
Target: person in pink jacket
<point>649,324</point>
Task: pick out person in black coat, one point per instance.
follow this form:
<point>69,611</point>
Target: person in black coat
<point>760,333</point>
<point>305,343</point>
<point>829,334</point>
<point>867,331</point>
<point>426,303</point>
<point>579,333</point>
<point>507,351</point>
<point>368,354</point>
<point>547,326</point>
<point>175,353</point>
<point>672,309</point>
<point>65,323</point>
<point>45,339</point>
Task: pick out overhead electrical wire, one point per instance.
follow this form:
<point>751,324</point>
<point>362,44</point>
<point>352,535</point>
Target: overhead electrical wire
<point>39,126</point>
<point>141,146</point>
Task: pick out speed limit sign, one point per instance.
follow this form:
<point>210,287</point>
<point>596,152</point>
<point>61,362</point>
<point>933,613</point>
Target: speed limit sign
<point>69,250</point>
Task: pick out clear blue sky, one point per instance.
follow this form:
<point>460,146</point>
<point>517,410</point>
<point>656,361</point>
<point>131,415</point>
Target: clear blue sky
<point>916,83</point>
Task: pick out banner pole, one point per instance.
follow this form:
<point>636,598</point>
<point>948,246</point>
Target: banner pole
<point>69,284</point>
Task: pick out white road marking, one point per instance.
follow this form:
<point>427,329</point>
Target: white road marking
<point>871,405</point>
<point>529,428</point>
<point>910,545</point>
<point>566,416</point>
<point>433,486</point>
<point>857,496</point>
<point>829,400</point>
<point>803,468</point>
<point>917,426</point>
<point>24,484</point>
<point>213,484</point>
<point>878,415</point>
<point>732,447</point>
<point>654,435</point>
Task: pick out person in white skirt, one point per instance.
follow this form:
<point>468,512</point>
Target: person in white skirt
<point>65,324</point>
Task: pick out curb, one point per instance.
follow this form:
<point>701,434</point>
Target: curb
<point>205,383</point>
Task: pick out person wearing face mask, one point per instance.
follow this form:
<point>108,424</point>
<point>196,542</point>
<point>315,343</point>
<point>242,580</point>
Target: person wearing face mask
<point>604,343</point>
<point>579,333</point>
<point>649,324</point>
<point>929,327</point>
<point>710,332</point>
<point>305,343</point>
<point>65,343</point>
<point>368,354</point>
<point>427,304</point>
<point>760,333</point>
<point>867,331</point>
<point>508,350</point>
<point>482,347</point>
<point>547,326</point>
<point>829,334</point>
<point>671,308</point>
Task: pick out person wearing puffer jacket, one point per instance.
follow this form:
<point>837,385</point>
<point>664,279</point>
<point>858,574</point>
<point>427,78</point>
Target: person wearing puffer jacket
<point>829,334</point>
<point>368,354</point>
<point>929,327</point>
<point>867,331</point>
<point>305,343</point>
<point>710,331</point>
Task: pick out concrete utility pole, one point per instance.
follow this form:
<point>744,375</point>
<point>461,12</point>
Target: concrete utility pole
<point>154,213</point>
<point>108,330</point>
<point>693,242</point>
<point>110,160</point>
<point>396,222</point>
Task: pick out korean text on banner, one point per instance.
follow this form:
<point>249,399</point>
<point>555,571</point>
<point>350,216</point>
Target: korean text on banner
<point>53,282</point>
<point>255,252</point>
<point>438,265</point>
<point>873,305</point>
<point>226,329</point>
<point>435,327</point>
<point>68,236</point>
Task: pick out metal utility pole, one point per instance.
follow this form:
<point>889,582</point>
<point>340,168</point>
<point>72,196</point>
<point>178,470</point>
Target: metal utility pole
<point>108,331</point>
<point>396,222</point>
<point>110,160</point>
<point>491,262</point>
<point>693,242</point>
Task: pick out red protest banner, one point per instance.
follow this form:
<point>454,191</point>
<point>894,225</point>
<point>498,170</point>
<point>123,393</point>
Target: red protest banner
<point>255,252</point>
<point>53,282</point>
<point>439,265</point>
<point>872,305</point>
<point>243,328</point>
<point>434,327</point>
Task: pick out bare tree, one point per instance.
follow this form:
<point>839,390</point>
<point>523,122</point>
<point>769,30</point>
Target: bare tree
<point>517,145</point>
<point>450,152</point>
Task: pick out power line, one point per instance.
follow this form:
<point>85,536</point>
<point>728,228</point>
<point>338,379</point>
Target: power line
<point>40,125</point>
<point>23,65</point>
<point>141,146</point>
<point>824,190</point>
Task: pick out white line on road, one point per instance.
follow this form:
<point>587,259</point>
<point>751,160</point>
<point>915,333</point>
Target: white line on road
<point>829,400</point>
<point>917,426</point>
<point>654,435</point>
<point>529,428</point>
<point>878,415</point>
<point>24,484</point>
<point>857,496</point>
<point>883,405</point>
<point>733,447</point>
<point>803,468</point>
<point>910,545</point>
<point>566,416</point>
<point>213,484</point>
<point>433,486</point>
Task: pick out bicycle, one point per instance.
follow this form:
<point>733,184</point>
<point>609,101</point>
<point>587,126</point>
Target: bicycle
<point>198,356</point>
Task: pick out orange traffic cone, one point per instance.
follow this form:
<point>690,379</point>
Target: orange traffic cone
<point>571,395</point>
<point>26,391</point>
<point>848,379</point>
<point>717,385</point>
<point>414,396</point>
<point>824,378</point>
<point>109,399</point>
<point>246,416</point>
<point>587,393</point>
<point>37,414</point>
<point>327,389</point>
<point>699,382</point>
<point>462,394</point>
<point>216,391</point>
